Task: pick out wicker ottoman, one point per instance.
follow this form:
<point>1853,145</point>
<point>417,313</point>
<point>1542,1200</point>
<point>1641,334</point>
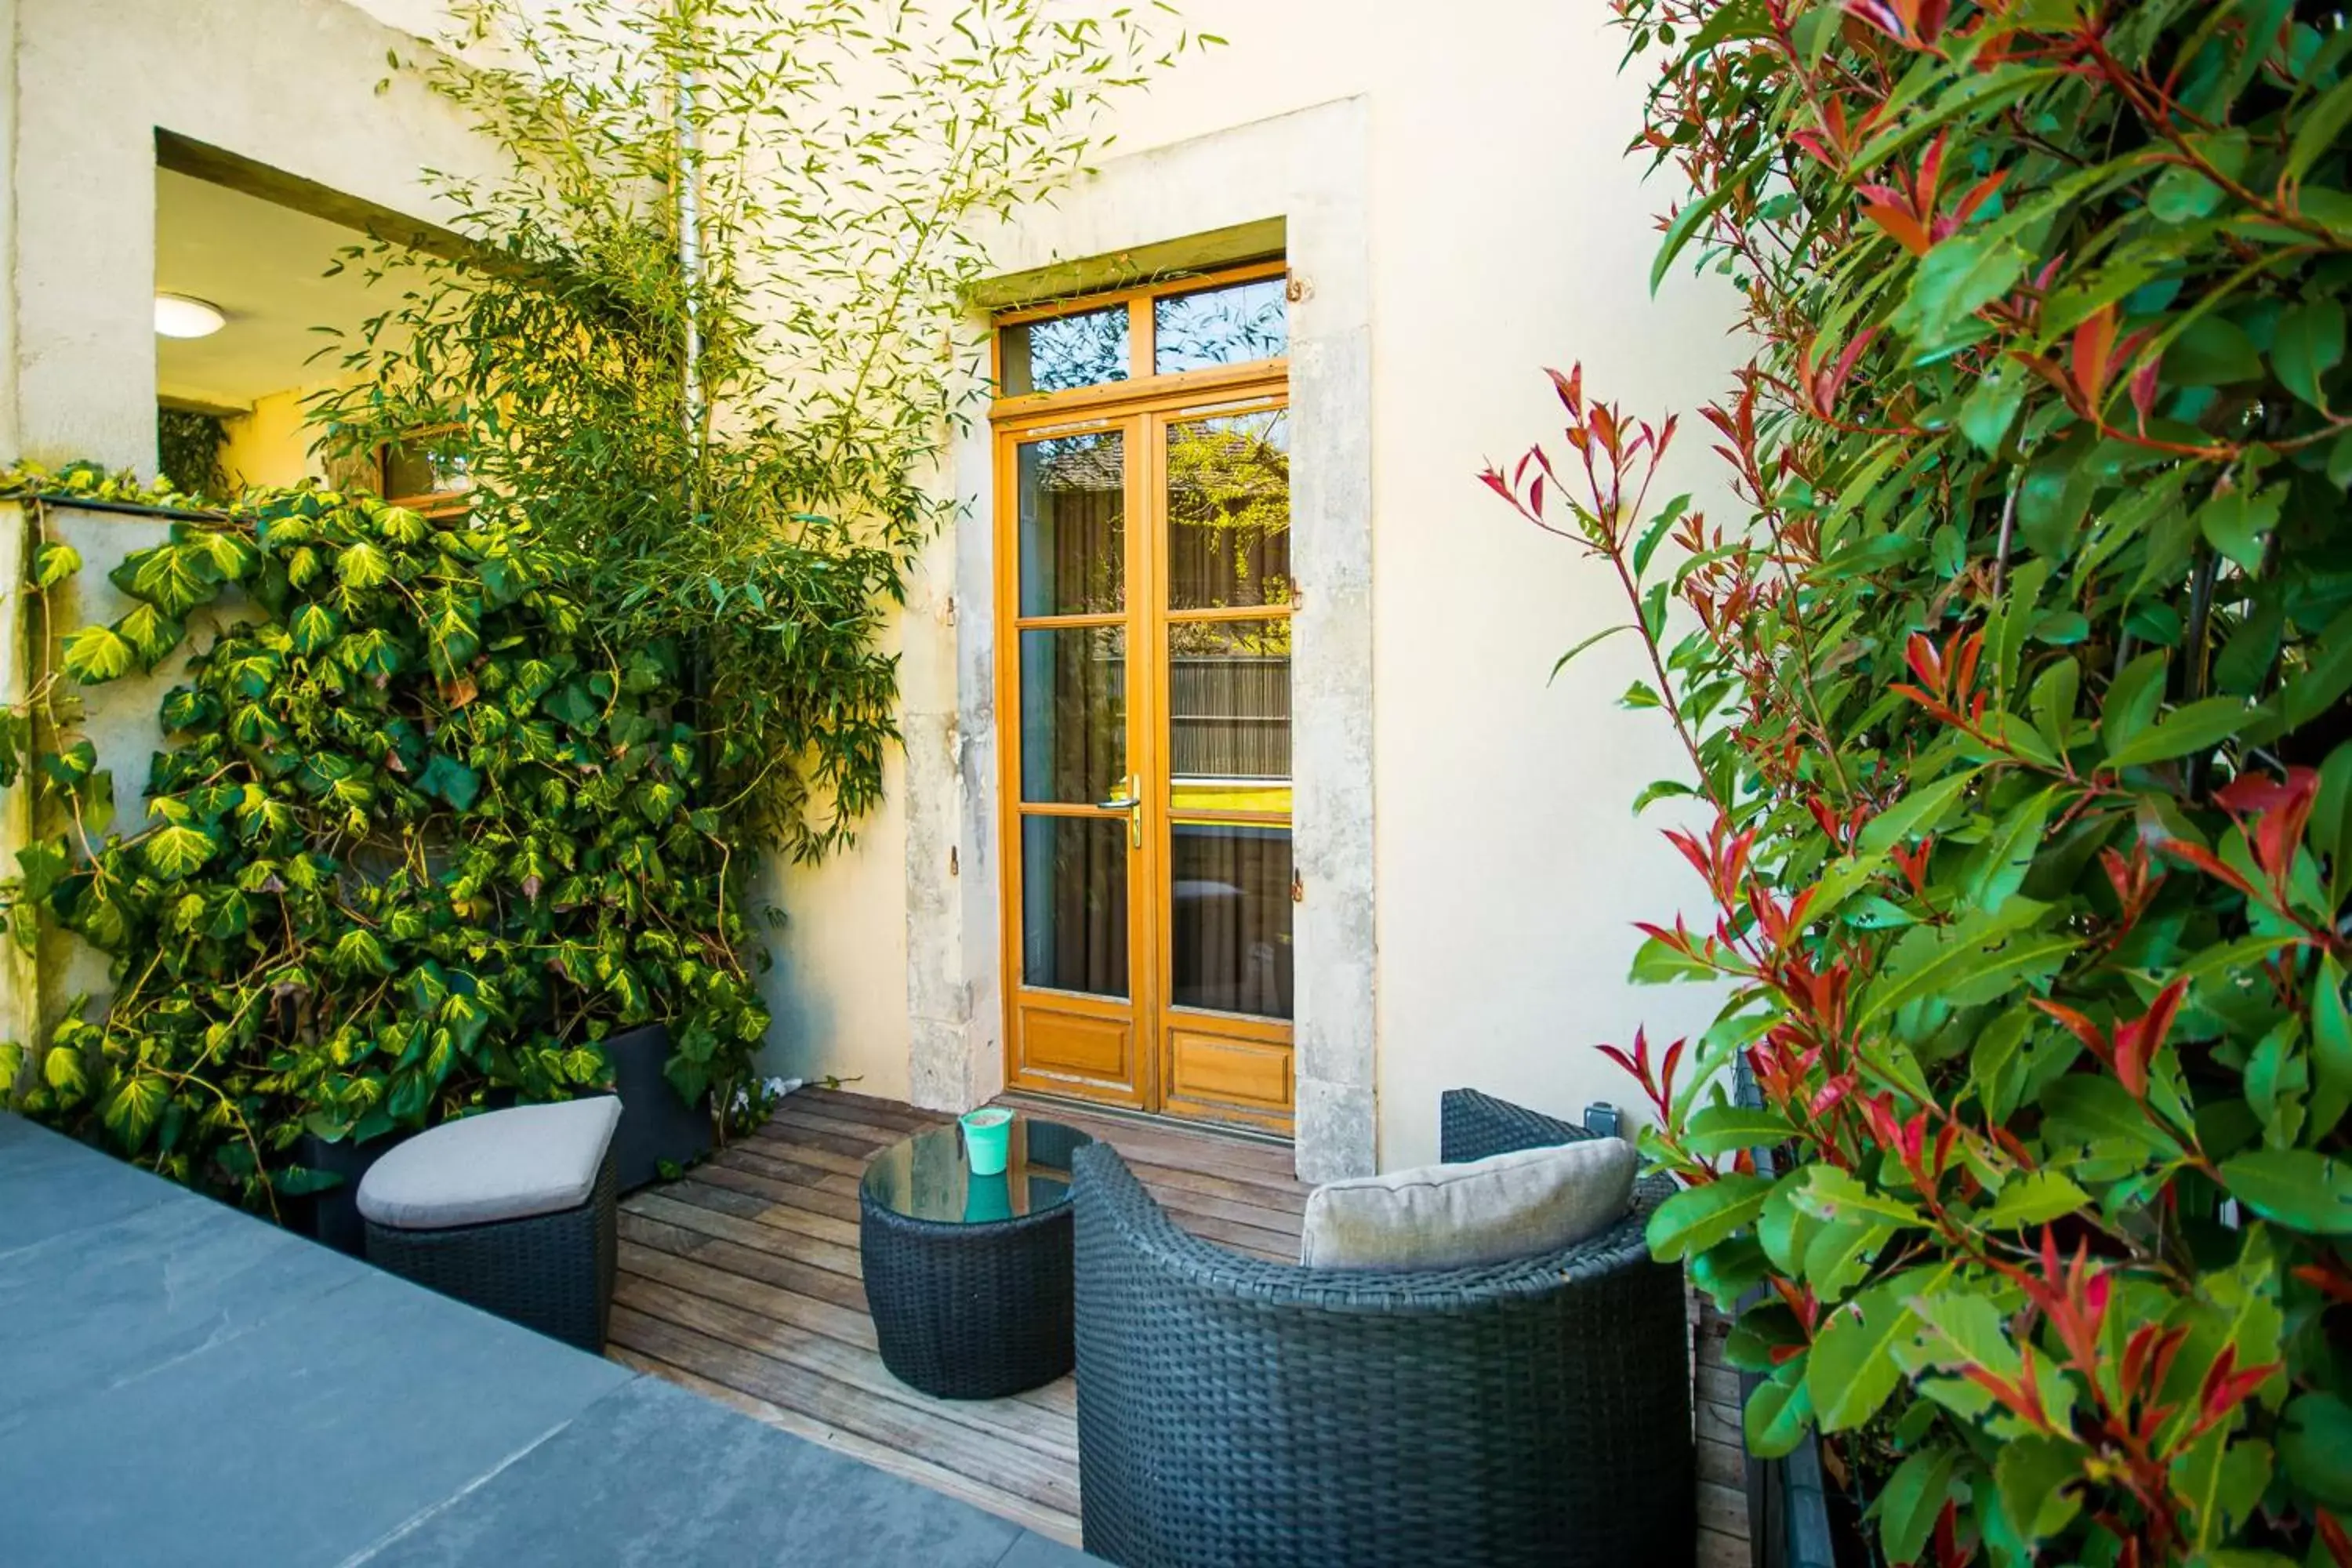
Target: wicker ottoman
<point>511,1210</point>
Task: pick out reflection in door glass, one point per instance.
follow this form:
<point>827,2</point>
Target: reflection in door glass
<point>1074,903</point>
<point>1232,325</point>
<point>1073,714</point>
<point>1229,890</point>
<point>1229,715</point>
<point>1066,352</point>
<point>1073,507</point>
<point>1229,510</point>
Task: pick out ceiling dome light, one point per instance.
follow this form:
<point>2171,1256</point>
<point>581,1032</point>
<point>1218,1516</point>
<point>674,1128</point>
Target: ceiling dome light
<point>185,316</point>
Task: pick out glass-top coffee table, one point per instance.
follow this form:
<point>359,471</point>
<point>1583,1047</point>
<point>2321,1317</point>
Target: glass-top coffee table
<point>968,1277</point>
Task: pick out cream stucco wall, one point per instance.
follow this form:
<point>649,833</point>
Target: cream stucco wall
<point>1505,232</point>
<point>288,83</point>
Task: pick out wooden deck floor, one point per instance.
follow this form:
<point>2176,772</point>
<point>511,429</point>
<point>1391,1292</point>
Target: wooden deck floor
<point>741,1282</point>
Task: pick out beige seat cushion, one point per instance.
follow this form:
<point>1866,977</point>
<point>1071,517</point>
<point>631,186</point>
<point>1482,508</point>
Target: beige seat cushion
<point>502,1164</point>
<point>1484,1211</point>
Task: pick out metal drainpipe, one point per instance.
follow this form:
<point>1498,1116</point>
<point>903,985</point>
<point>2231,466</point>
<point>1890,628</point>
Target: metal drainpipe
<point>689,243</point>
<point>690,266</point>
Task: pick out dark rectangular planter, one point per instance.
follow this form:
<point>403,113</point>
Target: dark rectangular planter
<point>333,1214</point>
<point>656,1125</point>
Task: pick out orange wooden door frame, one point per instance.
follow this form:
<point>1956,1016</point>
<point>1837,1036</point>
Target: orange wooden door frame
<point>1139,1051</point>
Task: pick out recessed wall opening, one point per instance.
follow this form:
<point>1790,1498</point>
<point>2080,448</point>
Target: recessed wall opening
<point>255,300</point>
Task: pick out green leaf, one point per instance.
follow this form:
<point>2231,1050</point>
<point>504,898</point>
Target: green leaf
<point>2093,1110</point>
<point>1913,1499</point>
<point>1697,1217</point>
<point>1777,1414</point>
<point>1918,812</point>
<point>1827,1193</point>
<point>1852,1369</point>
<point>1690,219</point>
<point>134,1107</point>
<point>150,634</point>
<point>2315,1442</point>
<point>2198,727</point>
<point>2237,523</point>
<point>1953,280</point>
<point>2307,344</point>
<point>1838,1254</point>
<point>361,565</point>
<point>1997,868</point>
<point>1726,1129</point>
<point>450,780</point>
<point>313,627</point>
<point>2032,1473</point>
<point>2211,351</point>
<point>2036,1198</point>
<point>62,1070</point>
<point>2132,699</point>
<point>1991,405</point>
<point>95,655</point>
<point>357,952</point>
<point>174,578</point>
<point>1562,663</point>
<point>1964,966</point>
<point>2223,1481</point>
<point>54,562</point>
<point>175,850</point>
<point>2181,194</point>
<point>2316,126</point>
<point>2331,1050</point>
<point>2294,1188</point>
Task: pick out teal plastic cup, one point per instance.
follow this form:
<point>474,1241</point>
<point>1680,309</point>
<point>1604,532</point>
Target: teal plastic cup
<point>986,1133</point>
<point>987,1198</point>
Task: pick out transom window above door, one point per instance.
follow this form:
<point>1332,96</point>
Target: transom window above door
<point>1178,327</point>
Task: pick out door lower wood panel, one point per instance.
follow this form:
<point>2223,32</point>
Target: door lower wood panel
<point>1065,1051</point>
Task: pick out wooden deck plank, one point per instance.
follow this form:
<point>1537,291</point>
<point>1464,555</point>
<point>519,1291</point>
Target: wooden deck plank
<point>1050,1432</point>
<point>741,1282</point>
<point>1006,1467</point>
<point>772,1264</point>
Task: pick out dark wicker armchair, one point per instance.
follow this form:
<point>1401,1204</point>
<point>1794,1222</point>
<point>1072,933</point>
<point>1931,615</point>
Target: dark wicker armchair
<point>1237,1412</point>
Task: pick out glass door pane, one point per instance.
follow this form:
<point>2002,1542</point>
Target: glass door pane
<point>1069,696</point>
<point>1229,895</point>
<point>1229,510</point>
<point>1073,518</point>
<point>1226,729</point>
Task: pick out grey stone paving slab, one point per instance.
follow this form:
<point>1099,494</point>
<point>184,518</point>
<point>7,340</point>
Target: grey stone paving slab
<point>653,1476</point>
<point>54,1187</point>
<point>111,1302</point>
<point>181,1385</point>
<point>347,1414</point>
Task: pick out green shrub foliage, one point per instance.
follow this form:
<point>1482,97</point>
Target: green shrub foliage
<point>2014,699</point>
<point>420,836</point>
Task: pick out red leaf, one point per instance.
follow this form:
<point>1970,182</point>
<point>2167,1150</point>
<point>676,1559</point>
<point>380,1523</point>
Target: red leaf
<point>1925,662</point>
<point>2338,1546</point>
<point>1907,230</point>
<point>1570,388</point>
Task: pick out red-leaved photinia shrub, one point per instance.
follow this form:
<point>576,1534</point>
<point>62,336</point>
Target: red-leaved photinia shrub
<point>2015,706</point>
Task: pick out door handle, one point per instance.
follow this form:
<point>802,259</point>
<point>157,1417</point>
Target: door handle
<point>1133,805</point>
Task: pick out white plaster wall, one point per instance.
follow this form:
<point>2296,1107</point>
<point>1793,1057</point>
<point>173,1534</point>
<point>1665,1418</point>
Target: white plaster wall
<point>1507,233</point>
<point>290,83</point>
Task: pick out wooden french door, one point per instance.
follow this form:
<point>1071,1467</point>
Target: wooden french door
<point>1144,718</point>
